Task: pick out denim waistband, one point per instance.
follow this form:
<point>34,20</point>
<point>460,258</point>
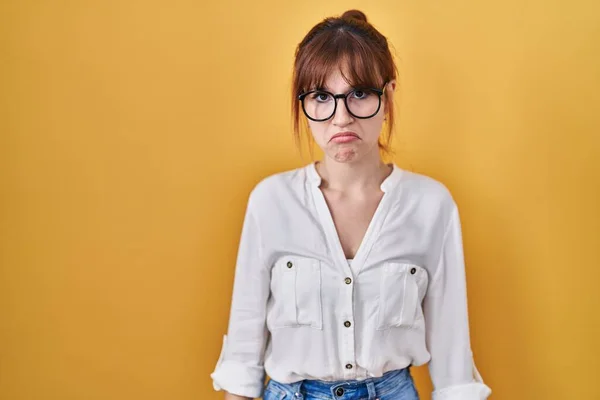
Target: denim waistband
<point>370,388</point>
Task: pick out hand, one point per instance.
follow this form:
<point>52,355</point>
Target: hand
<point>229,396</point>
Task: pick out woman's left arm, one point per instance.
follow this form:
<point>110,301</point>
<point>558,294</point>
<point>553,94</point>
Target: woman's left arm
<point>452,369</point>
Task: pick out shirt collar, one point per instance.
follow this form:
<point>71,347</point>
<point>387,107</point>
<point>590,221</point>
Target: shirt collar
<point>388,183</point>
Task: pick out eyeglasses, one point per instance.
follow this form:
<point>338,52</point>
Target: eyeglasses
<point>320,105</point>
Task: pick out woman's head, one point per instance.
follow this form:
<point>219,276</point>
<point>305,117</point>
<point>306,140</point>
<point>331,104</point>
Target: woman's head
<point>344,56</point>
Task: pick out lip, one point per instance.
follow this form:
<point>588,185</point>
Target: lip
<point>344,137</point>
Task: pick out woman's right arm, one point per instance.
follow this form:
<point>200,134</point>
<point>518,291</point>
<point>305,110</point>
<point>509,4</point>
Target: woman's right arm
<point>240,370</point>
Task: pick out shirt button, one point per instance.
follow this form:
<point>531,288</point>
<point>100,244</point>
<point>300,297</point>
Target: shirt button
<point>289,264</point>
<point>339,392</point>
<point>413,271</point>
<point>347,324</point>
<point>348,281</point>
<point>348,366</point>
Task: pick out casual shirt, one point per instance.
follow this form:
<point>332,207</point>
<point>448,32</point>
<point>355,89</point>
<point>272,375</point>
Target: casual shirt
<point>300,310</point>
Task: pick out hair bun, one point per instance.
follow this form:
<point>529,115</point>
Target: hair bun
<point>355,14</point>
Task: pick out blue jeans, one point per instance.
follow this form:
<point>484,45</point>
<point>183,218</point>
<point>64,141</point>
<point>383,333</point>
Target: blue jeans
<point>393,385</point>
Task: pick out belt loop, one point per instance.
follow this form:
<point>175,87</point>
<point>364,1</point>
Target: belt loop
<point>371,389</point>
<point>297,389</point>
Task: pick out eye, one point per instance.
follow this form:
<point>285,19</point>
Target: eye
<point>321,97</point>
<point>360,94</point>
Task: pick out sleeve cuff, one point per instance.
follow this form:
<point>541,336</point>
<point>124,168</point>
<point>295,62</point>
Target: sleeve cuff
<point>476,390</point>
<point>237,378</point>
<point>469,391</point>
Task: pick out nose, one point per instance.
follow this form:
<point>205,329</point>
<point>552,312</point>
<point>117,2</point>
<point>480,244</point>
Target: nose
<point>341,117</point>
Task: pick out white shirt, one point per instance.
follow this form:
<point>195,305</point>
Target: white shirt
<point>300,311</point>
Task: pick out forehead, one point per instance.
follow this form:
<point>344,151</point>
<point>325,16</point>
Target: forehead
<point>336,81</point>
<point>338,74</point>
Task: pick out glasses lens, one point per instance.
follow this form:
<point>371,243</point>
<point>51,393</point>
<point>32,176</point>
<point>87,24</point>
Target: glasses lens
<point>363,102</point>
<point>319,105</point>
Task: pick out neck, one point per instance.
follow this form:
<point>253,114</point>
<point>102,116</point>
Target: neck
<point>361,175</point>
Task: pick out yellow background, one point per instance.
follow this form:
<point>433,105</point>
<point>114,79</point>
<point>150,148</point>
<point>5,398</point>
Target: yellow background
<point>131,133</point>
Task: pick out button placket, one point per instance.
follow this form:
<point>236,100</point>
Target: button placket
<point>348,331</point>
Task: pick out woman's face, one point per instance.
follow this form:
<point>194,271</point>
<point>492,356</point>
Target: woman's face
<point>343,137</point>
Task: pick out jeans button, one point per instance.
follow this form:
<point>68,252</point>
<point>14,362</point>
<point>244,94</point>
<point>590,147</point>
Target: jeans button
<point>339,392</point>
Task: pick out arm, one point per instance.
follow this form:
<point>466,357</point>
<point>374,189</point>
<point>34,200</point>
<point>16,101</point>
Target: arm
<point>240,370</point>
<point>452,370</point>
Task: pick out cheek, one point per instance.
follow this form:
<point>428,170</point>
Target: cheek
<point>371,128</point>
<point>317,130</point>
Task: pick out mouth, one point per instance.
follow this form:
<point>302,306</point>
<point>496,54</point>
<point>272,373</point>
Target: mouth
<point>344,137</point>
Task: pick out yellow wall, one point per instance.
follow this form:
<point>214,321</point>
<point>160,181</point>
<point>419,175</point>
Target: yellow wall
<point>132,131</point>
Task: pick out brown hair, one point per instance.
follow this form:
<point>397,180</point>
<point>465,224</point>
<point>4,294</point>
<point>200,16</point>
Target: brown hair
<point>347,40</point>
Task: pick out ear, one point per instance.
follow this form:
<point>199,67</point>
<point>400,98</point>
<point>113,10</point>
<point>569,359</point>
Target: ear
<point>389,89</point>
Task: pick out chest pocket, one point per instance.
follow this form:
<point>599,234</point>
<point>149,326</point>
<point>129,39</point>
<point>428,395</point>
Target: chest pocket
<point>295,293</point>
<point>403,287</point>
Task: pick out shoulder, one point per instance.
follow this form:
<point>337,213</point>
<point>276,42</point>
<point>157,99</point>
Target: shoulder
<point>425,186</point>
<point>425,192</point>
<point>276,187</point>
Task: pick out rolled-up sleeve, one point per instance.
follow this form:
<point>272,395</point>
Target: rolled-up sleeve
<point>240,369</point>
<point>452,368</point>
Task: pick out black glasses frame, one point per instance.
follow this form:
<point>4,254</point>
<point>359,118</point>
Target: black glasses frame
<point>379,92</point>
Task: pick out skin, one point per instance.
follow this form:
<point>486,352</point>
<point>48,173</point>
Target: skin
<point>351,172</point>
<point>354,154</point>
<point>229,396</point>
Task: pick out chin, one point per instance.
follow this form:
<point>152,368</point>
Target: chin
<point>345,154</point>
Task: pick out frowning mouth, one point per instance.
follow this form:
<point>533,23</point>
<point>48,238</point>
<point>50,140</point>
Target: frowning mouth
<point>344,137</point>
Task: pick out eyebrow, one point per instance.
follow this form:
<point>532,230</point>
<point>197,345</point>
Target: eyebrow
<point>325,88</point>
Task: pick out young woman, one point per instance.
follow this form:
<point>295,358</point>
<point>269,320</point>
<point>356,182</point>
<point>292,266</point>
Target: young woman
<point>349,270</point>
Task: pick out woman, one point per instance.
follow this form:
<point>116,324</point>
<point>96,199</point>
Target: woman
<point>349,270</point>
